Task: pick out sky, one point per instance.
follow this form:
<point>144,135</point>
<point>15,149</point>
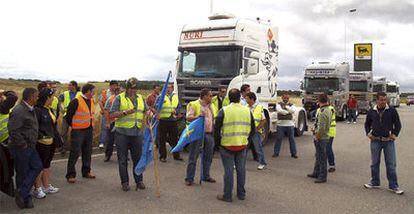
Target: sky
<point>87,40</point>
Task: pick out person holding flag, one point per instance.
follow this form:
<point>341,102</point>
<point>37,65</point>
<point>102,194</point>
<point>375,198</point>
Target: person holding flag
<point>195,109</point>
<point>128,109</point>
<point>234,127</point>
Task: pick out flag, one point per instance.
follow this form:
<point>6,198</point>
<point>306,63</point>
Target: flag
<point>193,132</point>
<point>146,156</point>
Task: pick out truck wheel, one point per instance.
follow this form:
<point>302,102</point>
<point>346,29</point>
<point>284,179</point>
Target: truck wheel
<point>343,114</point>
<point>266,133</point>
<point>301,124</point>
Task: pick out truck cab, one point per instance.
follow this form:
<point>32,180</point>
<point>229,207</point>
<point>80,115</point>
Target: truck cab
<point>330,78</point>
<point>361,86</point>
<point>393,93</point>
<point>228,51</point>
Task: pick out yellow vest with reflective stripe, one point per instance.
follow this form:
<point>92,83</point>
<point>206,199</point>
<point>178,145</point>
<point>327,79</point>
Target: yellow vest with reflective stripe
<point>66,98</point>
<point>4,133</point>
<point>196,105</point>
<point>130,120</point>
<point>169,106</point>
<point>215,102</point>
<point>54,105</point>
<point>236,125</point>
<point>332,128</point>
<point>257,115</point>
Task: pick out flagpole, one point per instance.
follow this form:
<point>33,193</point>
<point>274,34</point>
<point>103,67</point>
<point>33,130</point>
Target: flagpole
<point>154,157</point>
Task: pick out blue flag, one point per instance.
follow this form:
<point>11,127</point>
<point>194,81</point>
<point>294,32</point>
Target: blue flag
<point>146,156</point>
<point>193,132</point>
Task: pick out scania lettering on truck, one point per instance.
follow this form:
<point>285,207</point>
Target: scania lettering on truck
<point>360,85</point>
<point>228,51</point>
<point>393,93</point>
<point>330,78</point>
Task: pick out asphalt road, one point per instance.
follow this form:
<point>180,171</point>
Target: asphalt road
<point>282,188</point>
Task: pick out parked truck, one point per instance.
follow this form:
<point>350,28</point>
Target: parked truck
<point>229,51</point>
<point>393,93</point>
<point>330,78</point>
<point>379,85</point>
<point>361,86</point>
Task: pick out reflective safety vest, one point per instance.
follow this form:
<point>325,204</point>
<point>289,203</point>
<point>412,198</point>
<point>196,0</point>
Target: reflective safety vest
<point>236,125</point>
<point>168,106</point>
<point>257,115</point>
<point>83,117</point>
<point>130,120</point>
<point>215,102</point>
<point>4,133</point>
<point>196,105</point>
<point>66,98</point>
<point>54,105</point>
<point>332,128</point>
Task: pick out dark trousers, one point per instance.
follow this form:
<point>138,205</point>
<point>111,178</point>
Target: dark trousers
<point>110,140</point>
<point>320,170</point>
<point>134,145</point>
<point>352,115</point>
<point>81,141</point>
<point>230,160</point>
<point>281,132</point>
<point>28,166</point>
<point>167,130</point>
<point>330,153</point>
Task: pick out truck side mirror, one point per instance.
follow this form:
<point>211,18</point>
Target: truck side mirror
<point>251,66</point>
<point>254,55</point>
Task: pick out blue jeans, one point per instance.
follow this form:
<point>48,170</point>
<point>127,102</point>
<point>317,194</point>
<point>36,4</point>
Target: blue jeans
<point>104,131</point>
<point>134,145</point>
<point>207,158</point>
<point>231,159</point>
<point>258,147</point>
<point>110,140</point>
<point>281,132</point>
<point>320,169</point>
<point>352,115</point>
<point>329,152</point>
<point>390,162</point>
<point>28,165</point>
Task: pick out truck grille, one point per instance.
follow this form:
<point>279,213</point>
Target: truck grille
<point>189,88</point>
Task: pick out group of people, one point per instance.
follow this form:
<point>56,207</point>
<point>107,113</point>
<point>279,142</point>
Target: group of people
<point>234,122</point>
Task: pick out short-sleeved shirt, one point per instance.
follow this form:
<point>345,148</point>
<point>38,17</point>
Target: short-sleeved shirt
<point>135,131</point>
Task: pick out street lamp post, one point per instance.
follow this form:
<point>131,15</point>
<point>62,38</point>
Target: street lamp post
<point>350,11</point>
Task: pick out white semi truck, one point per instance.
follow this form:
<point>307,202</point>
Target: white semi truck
<point>229,51</point>
<point>393,93</point>
<point>360,85</point>
<point>379,85</point>
<point>330,78</point>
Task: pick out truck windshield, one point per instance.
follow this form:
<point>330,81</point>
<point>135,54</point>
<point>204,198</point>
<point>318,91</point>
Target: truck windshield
<point>321,85</point>
<point>358,86</point>
<point>210,63</point>
<point>378,88</point>
<point>391,88</point>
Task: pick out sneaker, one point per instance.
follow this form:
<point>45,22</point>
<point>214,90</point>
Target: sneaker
<point>331,169</point>
<point>38,193</point>
<point>50,189</point>
<point>348,122</point>
<point>261,167</point>
<point>101,146</point>
<point>371,186</point>
<point>397,191</point>
<point>354,122</point>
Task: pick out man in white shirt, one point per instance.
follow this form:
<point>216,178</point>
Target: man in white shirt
<point>285,126</point>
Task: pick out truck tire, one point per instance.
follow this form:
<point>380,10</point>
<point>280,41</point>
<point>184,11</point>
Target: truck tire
<point>343,114</point>
<point>301,124</point>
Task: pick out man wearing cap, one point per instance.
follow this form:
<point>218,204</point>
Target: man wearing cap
<point>129,109</point>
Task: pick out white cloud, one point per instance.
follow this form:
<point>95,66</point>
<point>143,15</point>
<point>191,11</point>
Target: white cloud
<point>108,39</point>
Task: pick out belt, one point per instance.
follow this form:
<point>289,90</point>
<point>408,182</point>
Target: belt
<point>209,132</point>
<point>382,139</point>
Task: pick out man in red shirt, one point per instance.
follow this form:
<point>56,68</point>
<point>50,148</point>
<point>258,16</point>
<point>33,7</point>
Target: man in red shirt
<point>352,108</point>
